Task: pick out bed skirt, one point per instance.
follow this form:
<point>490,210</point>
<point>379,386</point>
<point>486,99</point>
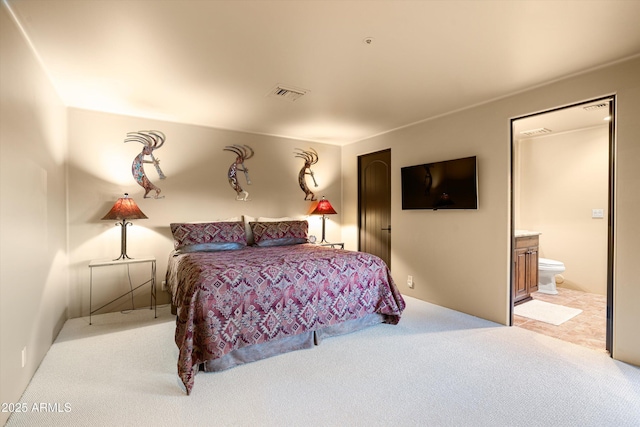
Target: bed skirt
<point>306,340</point>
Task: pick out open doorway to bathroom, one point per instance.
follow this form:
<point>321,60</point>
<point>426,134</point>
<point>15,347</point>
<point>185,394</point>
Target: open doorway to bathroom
<point>562,201</point>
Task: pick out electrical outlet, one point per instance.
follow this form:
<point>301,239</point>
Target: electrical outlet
<point>24,357</point>
<point>410,281</point>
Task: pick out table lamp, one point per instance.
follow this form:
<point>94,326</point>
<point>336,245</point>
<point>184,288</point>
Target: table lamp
<point>124,209</point>
<point>323,208</point>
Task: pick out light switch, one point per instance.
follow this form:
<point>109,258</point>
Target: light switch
<point>597,213</point>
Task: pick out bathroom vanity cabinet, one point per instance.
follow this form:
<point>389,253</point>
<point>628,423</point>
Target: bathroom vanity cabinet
<point>526,268</point>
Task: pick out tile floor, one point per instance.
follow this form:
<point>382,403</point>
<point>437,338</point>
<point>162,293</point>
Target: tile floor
<point>587,329</point>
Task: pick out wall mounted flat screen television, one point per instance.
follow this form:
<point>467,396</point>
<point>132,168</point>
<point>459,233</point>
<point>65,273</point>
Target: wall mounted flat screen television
<point>451,184</point>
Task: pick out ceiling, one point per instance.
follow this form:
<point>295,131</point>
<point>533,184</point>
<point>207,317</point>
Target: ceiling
<point>365,67</point>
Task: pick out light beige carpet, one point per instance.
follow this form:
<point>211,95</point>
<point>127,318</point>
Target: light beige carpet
<point>436,368</point>
<point>546,312</point>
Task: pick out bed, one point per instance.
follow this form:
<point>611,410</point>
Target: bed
<point>236,303</point>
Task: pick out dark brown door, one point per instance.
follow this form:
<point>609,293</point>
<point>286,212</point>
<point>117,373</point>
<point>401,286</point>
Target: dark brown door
<point>374,204</point>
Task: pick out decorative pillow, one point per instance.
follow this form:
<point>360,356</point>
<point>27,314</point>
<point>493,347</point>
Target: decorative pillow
<point>279,233</point>
<point>207,237</point>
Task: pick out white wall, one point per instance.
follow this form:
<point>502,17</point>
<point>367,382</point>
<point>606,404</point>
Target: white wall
<point>461,259</point>
<point>560,179</point>
<point>445,251</point>
<point>196,189</point>
<point>33,252</point>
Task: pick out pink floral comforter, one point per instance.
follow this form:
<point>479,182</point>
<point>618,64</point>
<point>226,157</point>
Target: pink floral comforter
<point>232,299</point>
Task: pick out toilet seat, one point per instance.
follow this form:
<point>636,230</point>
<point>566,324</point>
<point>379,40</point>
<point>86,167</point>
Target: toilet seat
<point>549,263</point>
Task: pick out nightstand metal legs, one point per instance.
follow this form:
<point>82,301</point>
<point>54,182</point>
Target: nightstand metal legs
<point>127,261</point>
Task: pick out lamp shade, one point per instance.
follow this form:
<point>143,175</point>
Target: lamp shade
<point>324,208</point>
<point>125,208</point>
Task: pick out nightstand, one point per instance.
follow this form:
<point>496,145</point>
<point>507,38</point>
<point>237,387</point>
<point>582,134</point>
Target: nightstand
<point>109,262</point>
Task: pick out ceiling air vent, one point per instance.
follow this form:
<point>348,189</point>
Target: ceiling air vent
<point>534,132</point>
<point>596,106</point>
<point>287,93</point>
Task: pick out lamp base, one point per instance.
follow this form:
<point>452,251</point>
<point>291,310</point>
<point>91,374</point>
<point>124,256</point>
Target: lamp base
<point>123,240</point>
<point>323,240</point>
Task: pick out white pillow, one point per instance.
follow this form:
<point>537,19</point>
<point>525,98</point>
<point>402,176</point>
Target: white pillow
<point>247,228</point>
<point>231,219</point>
<point>265,219</point>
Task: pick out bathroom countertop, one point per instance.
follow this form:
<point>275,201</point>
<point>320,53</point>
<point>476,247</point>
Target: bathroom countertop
<point>526,233</point>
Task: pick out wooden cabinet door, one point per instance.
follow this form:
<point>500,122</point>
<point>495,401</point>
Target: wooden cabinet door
<point>520,289</point>
<point>532,269</point>
<point>525,269</point>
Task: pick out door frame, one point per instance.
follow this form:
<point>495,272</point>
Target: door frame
<point>610,217</point>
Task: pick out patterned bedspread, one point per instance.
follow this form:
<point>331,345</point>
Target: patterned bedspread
<point>232,299</point>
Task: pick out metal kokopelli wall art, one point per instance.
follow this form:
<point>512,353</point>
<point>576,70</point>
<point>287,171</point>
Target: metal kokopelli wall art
<point>243,152</point>
<point>310,158</point>
<point>151,140</point>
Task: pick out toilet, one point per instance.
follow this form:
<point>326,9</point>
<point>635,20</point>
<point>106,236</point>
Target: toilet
<point>547,270</point>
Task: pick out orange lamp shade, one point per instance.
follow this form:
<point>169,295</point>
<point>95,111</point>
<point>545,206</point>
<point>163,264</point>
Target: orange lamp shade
<point>125,208</point>
<point>324,208</point>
